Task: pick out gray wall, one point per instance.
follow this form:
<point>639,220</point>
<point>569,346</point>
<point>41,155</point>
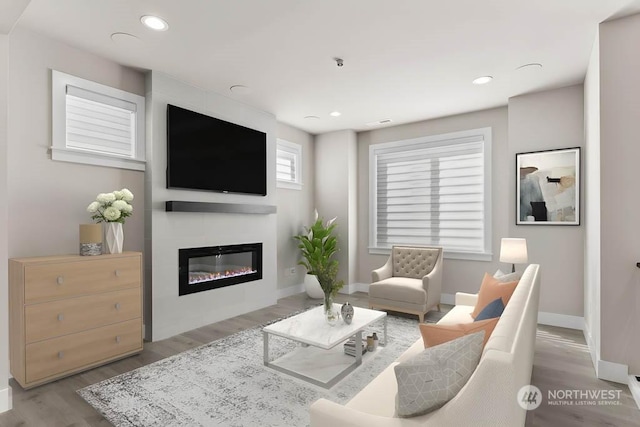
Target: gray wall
<point>335,194</point>
<point>542,121</point>
<point>4,289</point>
<point>167,232</point>
<point>459,275</point>
<point>48,199</point>
<point>295,209</point>
<point>620,198</point>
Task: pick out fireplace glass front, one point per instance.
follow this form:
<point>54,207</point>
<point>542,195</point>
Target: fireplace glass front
<point>214,267</point>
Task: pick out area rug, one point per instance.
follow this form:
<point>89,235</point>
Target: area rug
<point>224,383</point>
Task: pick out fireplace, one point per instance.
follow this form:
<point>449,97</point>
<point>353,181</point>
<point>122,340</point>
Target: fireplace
<point>215,267</point>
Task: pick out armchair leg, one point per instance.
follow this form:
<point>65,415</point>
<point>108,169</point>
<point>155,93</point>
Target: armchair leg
<point>439,307</point>
<point>421,317</point>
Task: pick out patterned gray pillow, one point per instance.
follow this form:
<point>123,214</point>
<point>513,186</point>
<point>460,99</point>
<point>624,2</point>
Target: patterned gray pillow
<point>433,377</point>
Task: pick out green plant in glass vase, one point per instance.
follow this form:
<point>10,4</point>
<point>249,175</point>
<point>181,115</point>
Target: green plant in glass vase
<point>318,244</point>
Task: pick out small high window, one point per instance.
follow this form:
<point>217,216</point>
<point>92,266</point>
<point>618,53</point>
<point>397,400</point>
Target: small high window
<point>289,165</point>
<point>96,124</point>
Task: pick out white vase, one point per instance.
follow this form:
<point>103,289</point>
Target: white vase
<point>114,237</point>
<point>312,286</point>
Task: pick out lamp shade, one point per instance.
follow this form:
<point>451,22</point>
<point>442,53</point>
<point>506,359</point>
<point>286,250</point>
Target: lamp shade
<point>513,251</point>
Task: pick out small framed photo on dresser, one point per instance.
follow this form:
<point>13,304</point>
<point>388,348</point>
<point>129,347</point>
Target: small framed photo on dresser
<point>548,187</point>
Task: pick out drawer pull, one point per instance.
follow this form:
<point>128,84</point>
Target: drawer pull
<point>60,354</point>
<point>60,317</point>
<point>117,272</point>
<point>118,306</point>
<point>118,338</point>
<point>60,280</point>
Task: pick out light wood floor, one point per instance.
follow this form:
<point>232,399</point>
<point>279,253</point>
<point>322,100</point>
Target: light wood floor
<point>562,361</point>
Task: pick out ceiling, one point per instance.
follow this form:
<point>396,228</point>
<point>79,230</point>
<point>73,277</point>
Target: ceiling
<point>404,60</point>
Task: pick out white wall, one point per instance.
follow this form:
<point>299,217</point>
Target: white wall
<point>591,180</point>
<point>459,275</point>
<point>48,198</point>
<point>5,395</point>
<point>295,210</point>
<point>619,195</point>
<point>335,194</point>
<point>166,232</point>
<point>543,121</point>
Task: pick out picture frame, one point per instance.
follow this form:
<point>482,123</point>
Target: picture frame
<point>548,187</point>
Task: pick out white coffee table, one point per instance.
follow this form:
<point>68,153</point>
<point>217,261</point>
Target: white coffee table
<point>320,359</point>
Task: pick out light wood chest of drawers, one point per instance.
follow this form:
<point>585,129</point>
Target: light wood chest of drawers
<point>71,313</point>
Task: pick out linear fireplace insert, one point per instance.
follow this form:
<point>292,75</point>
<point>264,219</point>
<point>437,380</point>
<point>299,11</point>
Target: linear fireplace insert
<point>214,267</point>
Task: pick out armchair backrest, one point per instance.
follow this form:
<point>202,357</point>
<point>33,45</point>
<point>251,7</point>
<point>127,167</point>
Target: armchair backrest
<point>414,261</point>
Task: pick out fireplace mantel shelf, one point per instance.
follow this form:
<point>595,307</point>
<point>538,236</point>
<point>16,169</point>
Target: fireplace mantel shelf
<point>179,206</point>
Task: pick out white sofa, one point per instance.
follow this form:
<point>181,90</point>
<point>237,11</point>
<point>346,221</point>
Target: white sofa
<point>488,398</point>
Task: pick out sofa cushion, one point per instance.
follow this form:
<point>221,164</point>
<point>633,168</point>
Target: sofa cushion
<point>399,289</point>
<point>379,396</point>
<point>436,334</point>
<point>458,314</point>
<point>430,379</point>
<point>493,309</point>
<point>491,289</point>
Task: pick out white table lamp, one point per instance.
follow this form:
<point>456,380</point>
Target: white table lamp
<point>513,251</point>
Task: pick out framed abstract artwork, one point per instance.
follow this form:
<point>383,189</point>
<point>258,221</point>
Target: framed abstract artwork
<point>548,187</point>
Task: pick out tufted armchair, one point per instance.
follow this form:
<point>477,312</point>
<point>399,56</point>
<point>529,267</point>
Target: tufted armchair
<point>410,281</point>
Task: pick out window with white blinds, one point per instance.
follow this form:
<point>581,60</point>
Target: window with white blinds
<point>433,191</point>
<point>100,123</point>
<point>96,124</point>
<point>288,165</point>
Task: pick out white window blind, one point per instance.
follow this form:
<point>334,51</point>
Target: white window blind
<point>100,123</point>
<point>288,165</point>
<point>96,124</point>
<point>432,192</point>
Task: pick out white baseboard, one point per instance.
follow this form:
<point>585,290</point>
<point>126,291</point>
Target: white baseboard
<point>360,287</point>
<point>634,386</point>
<point>592,347</point>
<point>5,399</point>
<point>561,320</point>
<point>611,371</point>
<point>448,299</point>
<point>291,290</point>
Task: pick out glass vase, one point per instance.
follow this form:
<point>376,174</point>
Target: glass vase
<point>331,312</point>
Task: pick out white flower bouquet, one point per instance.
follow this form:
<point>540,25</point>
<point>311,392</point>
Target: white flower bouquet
<point>112,207</point>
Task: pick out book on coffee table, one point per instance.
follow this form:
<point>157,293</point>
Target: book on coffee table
<point>350,347</point>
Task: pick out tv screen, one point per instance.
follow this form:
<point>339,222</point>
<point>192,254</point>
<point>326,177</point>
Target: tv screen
<point>205,153</point>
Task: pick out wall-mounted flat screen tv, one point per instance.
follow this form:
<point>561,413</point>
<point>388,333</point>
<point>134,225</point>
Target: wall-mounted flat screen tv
<point>205,153</point>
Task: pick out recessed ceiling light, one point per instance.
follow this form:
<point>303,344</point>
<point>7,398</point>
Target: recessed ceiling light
<point>154,22</point>
<point>311,117</point>
<point>240,89</point>
<point>335,113</point>
<point>482,80</point>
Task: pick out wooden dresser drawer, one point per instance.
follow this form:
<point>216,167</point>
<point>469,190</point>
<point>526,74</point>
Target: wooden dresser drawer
<point>45,282</point>
<point>59,355</point>
<point>56,318</point>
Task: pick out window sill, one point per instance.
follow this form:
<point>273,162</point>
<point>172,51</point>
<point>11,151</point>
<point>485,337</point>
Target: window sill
<point>468,256</point>
<point>289,185</point>
<point>89,158</point>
